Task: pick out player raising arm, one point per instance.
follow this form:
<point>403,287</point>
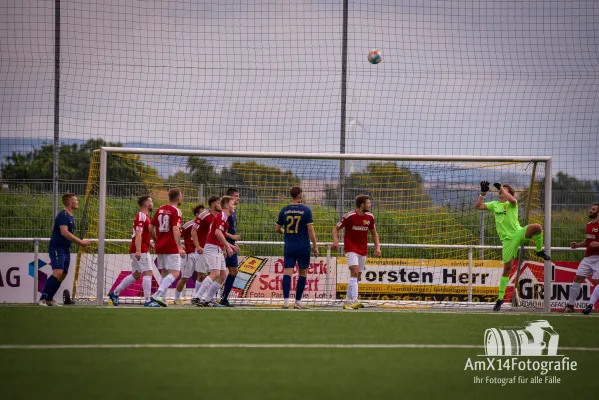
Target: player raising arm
<point>141,264</point>
<point>589,264</point>
<point>216,244</point>
<point>166,228</point>
<point>60,248</point>
<point>295,222</point>
<point>357,223</point>
<point>511,234</point>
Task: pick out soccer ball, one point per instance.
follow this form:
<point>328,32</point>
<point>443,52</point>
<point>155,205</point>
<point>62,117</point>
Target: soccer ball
<point>375,56</point>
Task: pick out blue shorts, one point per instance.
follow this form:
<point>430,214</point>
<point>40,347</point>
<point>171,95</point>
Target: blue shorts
<point>302,260</point>
<point>232,262</point>
<point>60,259</point>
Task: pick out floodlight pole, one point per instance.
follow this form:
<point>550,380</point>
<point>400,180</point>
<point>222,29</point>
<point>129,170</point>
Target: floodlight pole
<point>547,291</point>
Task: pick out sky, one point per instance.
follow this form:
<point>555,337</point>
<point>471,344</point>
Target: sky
<point>457,78</point>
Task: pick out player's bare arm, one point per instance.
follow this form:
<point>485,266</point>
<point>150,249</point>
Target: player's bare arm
<point>196,242</point>
<point>279,229</point>
<point>138,238</point>
<point>229,249</point>
<point>177,236</point>
<point>377,244</point>
<point>312,235</point>
<point>152,230</point>
<point>480,201</point>
<point>233,237</point>
<point>577,245</point>
<point>335,245</point>
<point>64,231</point>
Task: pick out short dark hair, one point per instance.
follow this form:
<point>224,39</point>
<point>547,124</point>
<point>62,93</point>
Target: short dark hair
<point>595,204</point>
<point>224,201</point>
<point>213,199</point>
<point>173,193</point>
<point>197,209</point>
<point>67,198</point>
<point>142,200</point>
<point>509,189</point>
<point>231,191</point>
<point>295,191</point>
<point>361,199</point>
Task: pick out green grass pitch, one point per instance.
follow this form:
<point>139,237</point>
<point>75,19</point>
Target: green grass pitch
<point>272,373</point>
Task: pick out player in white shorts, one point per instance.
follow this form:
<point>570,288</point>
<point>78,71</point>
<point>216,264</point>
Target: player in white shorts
<point>589,264</point>
<point>356,223</point>
<point>166,229</point>
<point>190,260</point>
<point>141,264</point>
<point>216,244</point>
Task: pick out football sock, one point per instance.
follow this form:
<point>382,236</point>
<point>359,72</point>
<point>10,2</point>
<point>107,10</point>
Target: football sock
<point>124,284</point>
<point>286,286</point>
<point>503,281</point>
<point>198,285</point>
<point>51,286</point>
<point>146,283</point>
<point>574,291</point>
<point>538,239</point>
<point>299,290</point>
<point>178,295</point>
<point>595,296</point>
<point>228,286</point>
<point>167,281</point>
<point>212,291</point>
<point>353,286</point>
<point>204,288</point>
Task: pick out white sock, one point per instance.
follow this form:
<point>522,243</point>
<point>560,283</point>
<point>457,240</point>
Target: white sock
<point>198,285</point>
<point>177,295</point>
<point>146,283</point>
<point>574,291</point>
<point>167,281</point>
<point>354,291</point>
<point>595,296</point>
<point>212,291</point>
<point>124,284</point>
<point>204,288</point>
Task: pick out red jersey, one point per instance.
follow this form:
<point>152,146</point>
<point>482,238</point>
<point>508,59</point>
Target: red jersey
<point>186,232</point>
<point>141,224</point>
<point>203,223</point>
<point>166,219</point>
<point>220,223</point>
<point>356,232</point>
<point>592,236</point>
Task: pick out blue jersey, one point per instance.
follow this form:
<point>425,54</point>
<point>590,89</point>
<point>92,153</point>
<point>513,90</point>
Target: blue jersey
<point>232,220</point>
<point>295,219</point>
<point>57,241</point>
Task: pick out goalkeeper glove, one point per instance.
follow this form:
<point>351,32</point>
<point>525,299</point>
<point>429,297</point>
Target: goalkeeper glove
<point>497,185</point>
<point>484,187</point>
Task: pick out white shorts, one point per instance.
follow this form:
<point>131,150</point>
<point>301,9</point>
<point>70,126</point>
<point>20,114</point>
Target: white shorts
<point>587,266</point>
<point>189,265</point>
<point>143,264</point>
<point>169,261</point>
<point>356,259</point>
<point>214,257</point>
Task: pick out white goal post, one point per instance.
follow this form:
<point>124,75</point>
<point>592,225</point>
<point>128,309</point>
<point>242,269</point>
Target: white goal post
<point>442,163</point>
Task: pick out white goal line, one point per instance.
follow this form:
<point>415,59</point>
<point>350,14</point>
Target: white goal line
<point>255,346</point>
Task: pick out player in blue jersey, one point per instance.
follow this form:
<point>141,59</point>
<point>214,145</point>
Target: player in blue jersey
<point>60,248</point>
<point>295,222</point>
<point>231,262</point>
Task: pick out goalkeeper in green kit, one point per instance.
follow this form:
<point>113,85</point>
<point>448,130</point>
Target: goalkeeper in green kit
<point>511,234</point>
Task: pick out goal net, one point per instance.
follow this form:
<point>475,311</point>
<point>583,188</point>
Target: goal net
<point>437,250</point>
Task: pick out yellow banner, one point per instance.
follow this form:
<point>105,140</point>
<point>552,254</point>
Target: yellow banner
<point>420,289</point>
<point>419,262</point>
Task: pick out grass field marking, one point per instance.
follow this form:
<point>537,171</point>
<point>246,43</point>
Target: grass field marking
<point>255,346</point>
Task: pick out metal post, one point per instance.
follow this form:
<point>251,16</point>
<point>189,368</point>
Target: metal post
<point>101,228</point>
<point>547,292</point>
<point>201,194</point>
<point>341,199</point>
<point>36,250</point>
<point>470,251</point>
<point>56,105</point>
<point>328,290</point>
<point>481,252</point>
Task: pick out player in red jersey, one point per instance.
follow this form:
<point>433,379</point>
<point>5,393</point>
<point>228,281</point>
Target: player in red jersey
<point>216,244</point>
<point>199,234</point>
<point>141,264</point>
<point>357,223</point>
<point>190,261</point>
<point>166,229</point>
<point>589,264</point>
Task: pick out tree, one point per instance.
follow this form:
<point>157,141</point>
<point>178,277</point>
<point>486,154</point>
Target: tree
<point>388,185</point>
<point>202,172</point>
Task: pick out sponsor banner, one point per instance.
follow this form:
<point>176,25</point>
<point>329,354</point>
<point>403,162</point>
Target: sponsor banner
<point>423,280</point>
<point>16,277</point>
